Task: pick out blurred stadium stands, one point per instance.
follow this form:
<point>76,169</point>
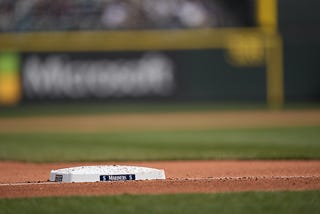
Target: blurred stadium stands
<point>44,15</point>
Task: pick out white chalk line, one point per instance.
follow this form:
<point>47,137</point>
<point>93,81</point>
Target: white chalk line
<point>177,179</point>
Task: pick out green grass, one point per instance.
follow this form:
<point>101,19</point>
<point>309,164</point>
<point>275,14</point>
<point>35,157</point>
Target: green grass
<point>229,203</point>
<point>259,143</point>
<point>80,108</point>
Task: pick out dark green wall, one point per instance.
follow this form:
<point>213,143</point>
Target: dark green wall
<point>207,75</point>
<point>198,75</point>
<point>299,24</point>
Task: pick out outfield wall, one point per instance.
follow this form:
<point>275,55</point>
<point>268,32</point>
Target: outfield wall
<point>207,64</point>
<point>299,26</point>
<point>179,75</point>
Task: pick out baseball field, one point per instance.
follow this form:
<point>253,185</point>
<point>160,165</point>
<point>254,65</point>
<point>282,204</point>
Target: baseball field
<point>244,159</point>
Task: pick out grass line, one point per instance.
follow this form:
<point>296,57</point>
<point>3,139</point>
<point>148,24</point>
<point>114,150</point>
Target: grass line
<point>257,143</point>
<point>222,203</point>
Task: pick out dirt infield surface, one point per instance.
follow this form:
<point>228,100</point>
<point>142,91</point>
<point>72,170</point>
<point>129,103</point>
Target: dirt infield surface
<point>161,121</point>
<point>30,179</point>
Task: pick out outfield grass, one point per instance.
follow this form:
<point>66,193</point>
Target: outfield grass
<point>229,203</point>
<point>80,108</point>
<point>255,143</point>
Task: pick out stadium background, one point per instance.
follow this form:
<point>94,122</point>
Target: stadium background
<point>239,51</point>
<point>155,80</point>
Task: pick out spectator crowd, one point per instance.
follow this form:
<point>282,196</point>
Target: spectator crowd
<point>51,15</point>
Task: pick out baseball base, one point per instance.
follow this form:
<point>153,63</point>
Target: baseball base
<point>105,173</point>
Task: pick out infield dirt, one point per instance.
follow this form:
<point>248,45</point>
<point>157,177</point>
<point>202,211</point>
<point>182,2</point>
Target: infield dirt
<point>30,180</point>
<point>161,121</point>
